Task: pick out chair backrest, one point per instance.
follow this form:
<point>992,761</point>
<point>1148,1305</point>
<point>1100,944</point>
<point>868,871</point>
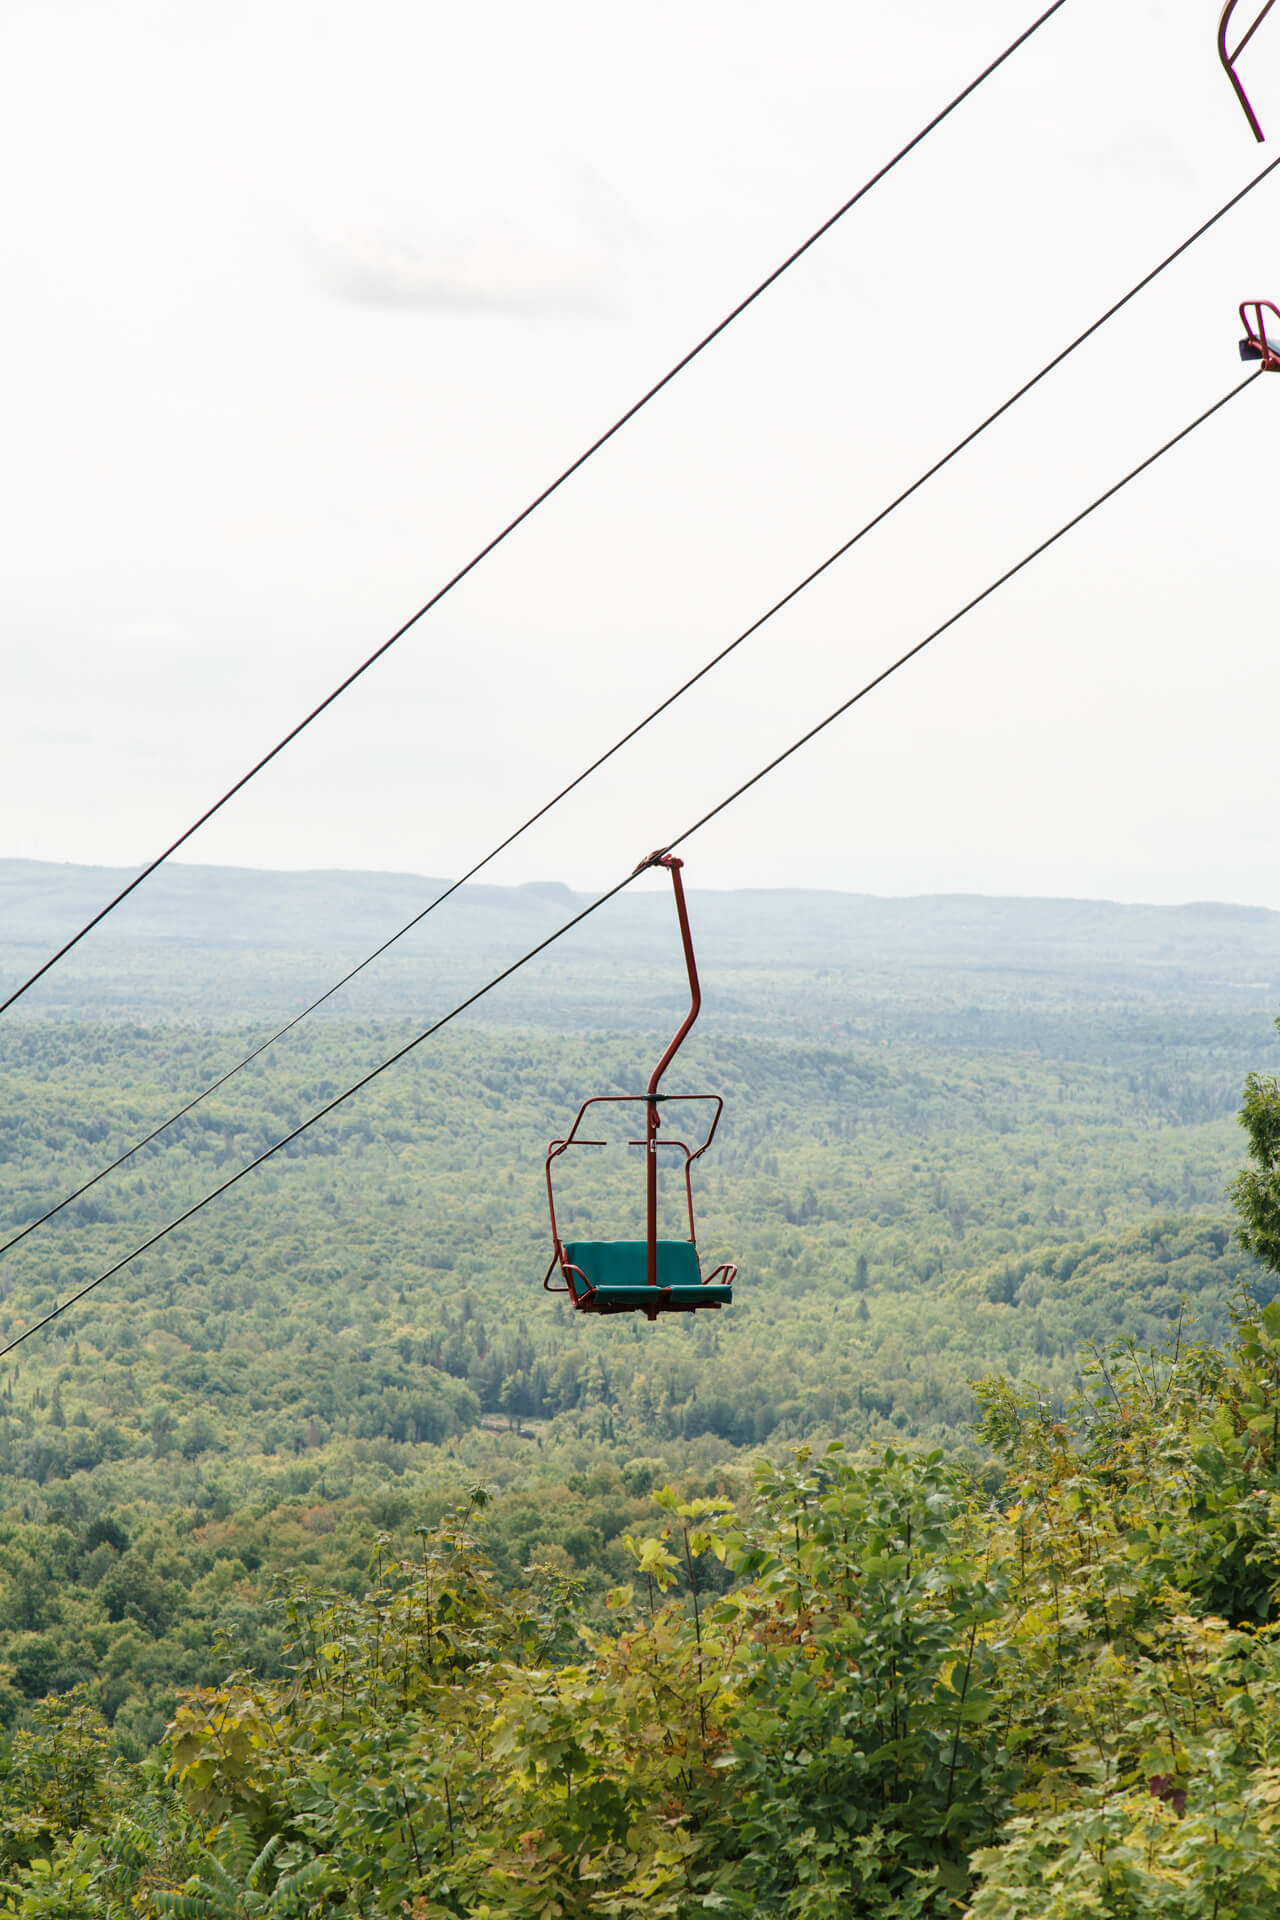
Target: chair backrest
<point>625,1263</point>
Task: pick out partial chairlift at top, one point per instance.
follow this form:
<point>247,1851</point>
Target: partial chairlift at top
<point>1229,57</point>
<point>1260,342</point>
<point>649,1276</point>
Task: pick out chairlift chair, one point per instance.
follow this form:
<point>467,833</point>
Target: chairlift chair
<point>649,1276</point>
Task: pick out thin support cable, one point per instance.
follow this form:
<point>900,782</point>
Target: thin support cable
<point>626,738</point>
<point>685,834</point>
<point>539,499</point>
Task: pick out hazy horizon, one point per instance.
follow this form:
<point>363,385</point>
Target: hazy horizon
<point>549,882</point>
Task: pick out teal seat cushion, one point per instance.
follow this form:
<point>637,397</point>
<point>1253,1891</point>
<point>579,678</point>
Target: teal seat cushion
<point>620,1268</point>
<point>625,1263</point>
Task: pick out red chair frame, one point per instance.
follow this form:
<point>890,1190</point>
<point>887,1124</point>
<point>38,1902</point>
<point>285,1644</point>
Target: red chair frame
<point>577,1284</point>
<point>1256,345</point>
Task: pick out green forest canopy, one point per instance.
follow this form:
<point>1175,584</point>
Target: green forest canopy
<point>935,1167</point>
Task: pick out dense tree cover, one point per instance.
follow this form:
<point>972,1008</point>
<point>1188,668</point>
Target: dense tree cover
<point>131,1618</point>
<point>874,1690</point>
<point>1257,1190</point>
<point>378,1288</point>
<point>230,1470</point>
<point>343,1343</point>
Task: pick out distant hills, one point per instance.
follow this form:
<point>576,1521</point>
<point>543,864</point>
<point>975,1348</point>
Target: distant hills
<point>216,944</point>
<point>219,908</point>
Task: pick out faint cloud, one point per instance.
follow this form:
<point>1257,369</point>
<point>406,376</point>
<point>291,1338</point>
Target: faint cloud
<point>1134,154</point>
<point>100,53</point>
<point>477,262</point>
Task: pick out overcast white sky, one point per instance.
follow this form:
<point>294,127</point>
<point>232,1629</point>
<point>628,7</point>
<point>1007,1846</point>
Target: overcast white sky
<point>303,301</point>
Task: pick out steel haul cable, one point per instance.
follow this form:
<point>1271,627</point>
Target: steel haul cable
<point>602,440</point>
<point>686,833</point>
<point>625,739</point>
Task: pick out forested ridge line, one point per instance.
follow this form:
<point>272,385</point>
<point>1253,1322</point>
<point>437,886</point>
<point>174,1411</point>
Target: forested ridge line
<point>215,908</point>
